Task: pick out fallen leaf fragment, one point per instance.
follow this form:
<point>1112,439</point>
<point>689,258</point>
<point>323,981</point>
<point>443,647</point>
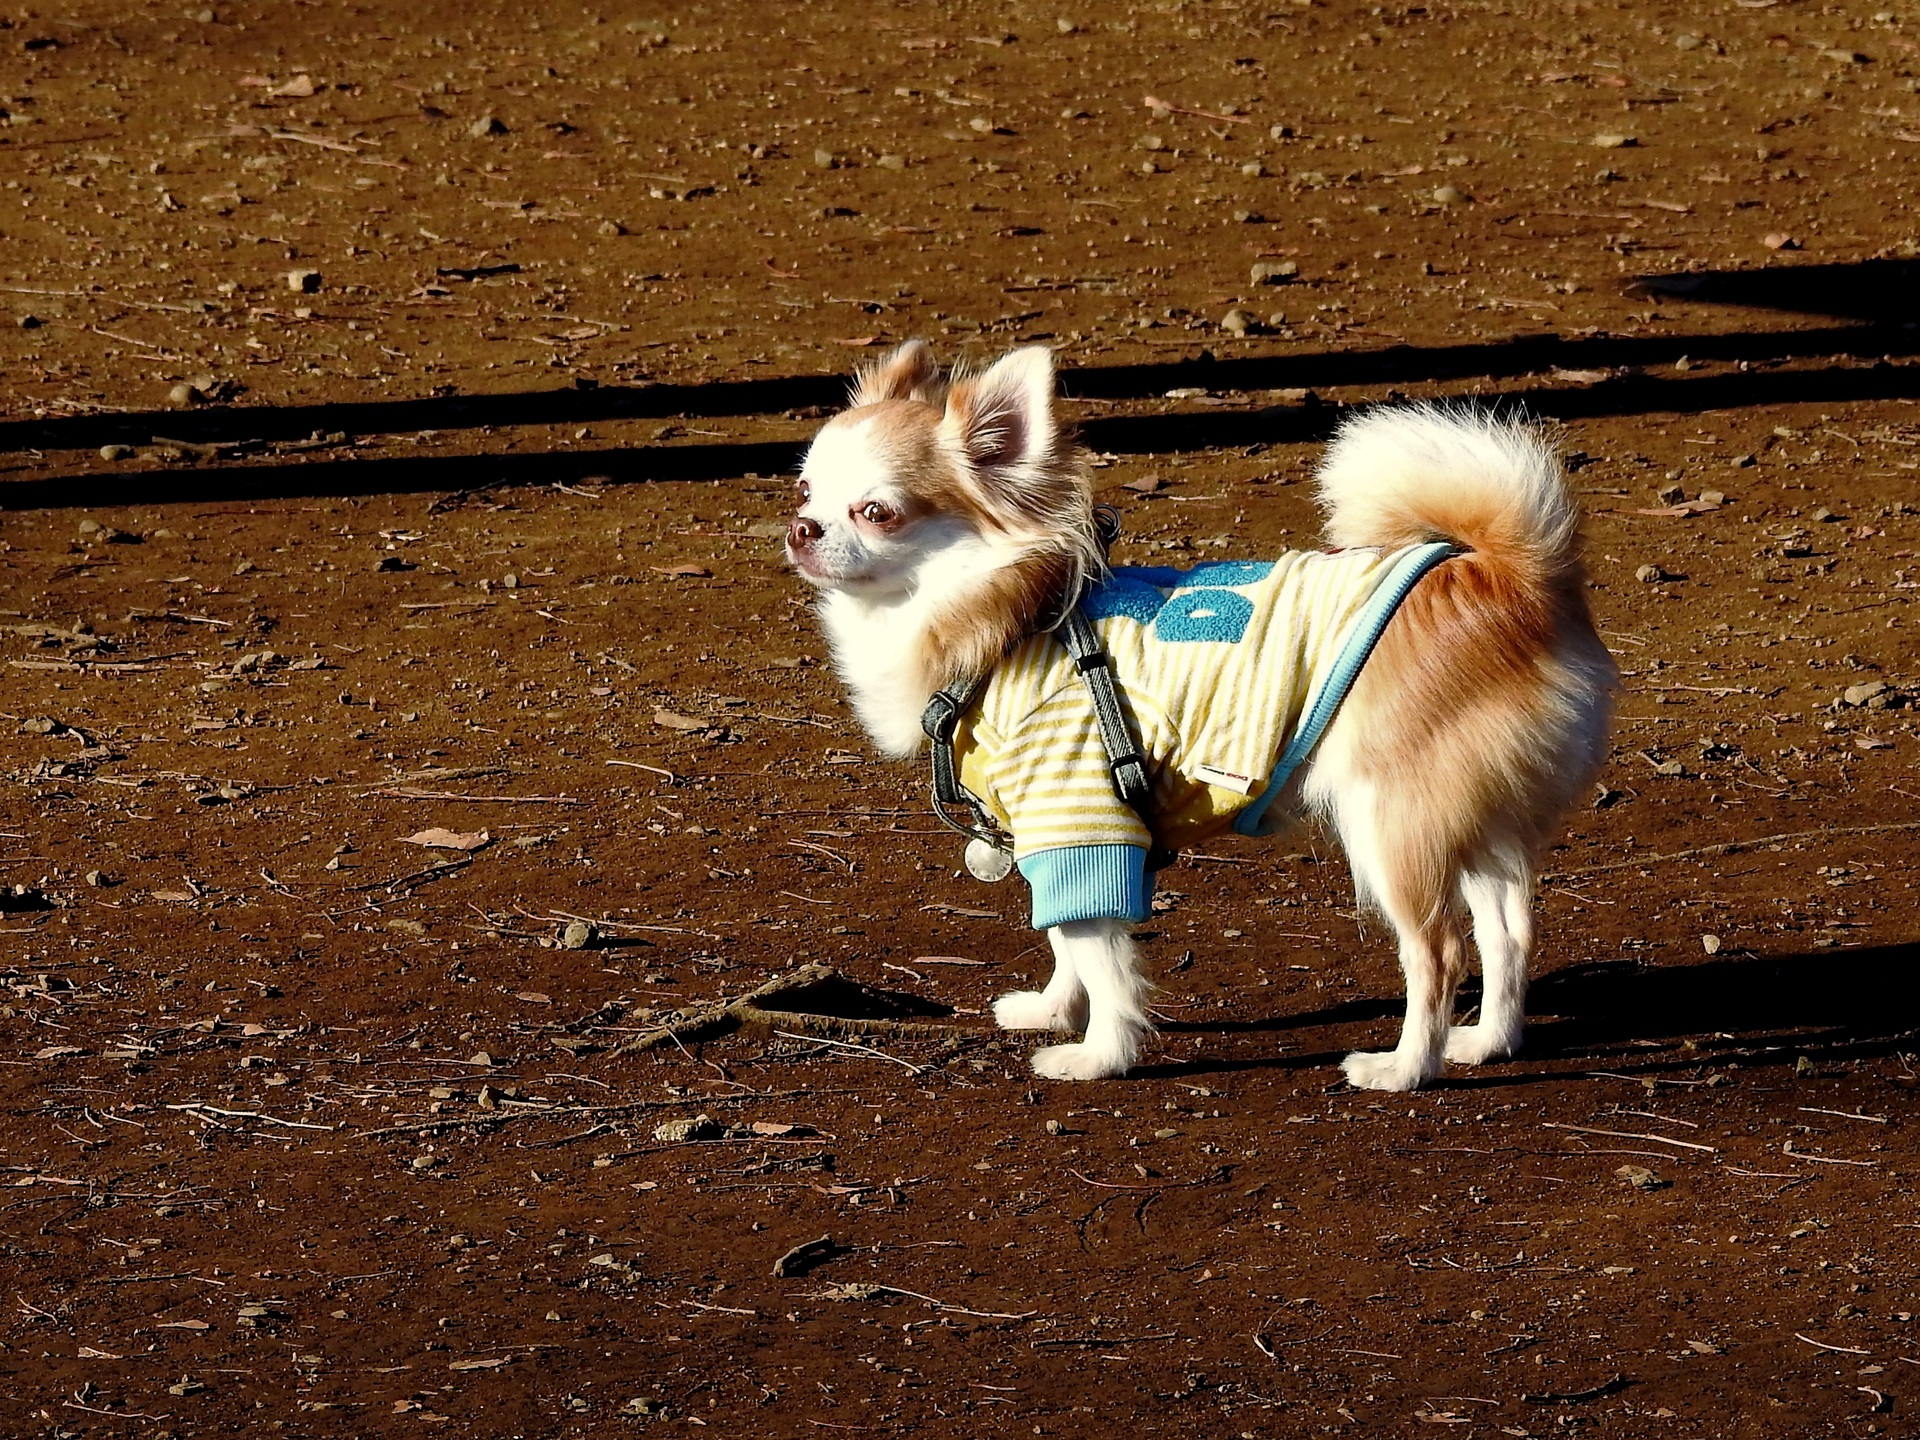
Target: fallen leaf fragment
<point>674,720</point>
<point>441,839</point>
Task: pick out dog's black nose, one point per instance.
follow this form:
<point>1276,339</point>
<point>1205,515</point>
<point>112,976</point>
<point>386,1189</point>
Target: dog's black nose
<point>802,532</point>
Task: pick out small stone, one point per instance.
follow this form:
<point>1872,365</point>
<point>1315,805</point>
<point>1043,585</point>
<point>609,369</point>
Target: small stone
<point>1862,694</point>
<point>1449,195</point>
<point>1686,40</point>
<point>1238,323</point>
<point>979,124</point>
<point>1614,142</point>
<point>700,1127</point>
<point>612,227</point>
<point>1779,240</point>
<point>116,452</point>
<point>826,159</point>
<point>1826,516</point>
<point>29,322</point>
<point>1641,1178</point>
<point>1670,494</point>
<point>1151,142</point>
<point>1710,944</point>
<point>183,395</point>
<point>482,1059</point>
<point>578,935</point>
<point>1253,169</point>
<point>1065,26</point>
<point>1274,272</point>
<point>303,282</point>
<point>1649,574</point>
<point>892,162</point>
<point>509,582</point>
<point>99,879</point>
<point>487,125</point>
<point>1716,497</point>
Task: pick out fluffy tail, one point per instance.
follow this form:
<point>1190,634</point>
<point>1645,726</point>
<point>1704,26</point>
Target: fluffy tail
<point>1409,474</point>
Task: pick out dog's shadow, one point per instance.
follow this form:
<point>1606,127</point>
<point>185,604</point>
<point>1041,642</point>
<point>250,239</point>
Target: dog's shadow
<point>1630,1016</point>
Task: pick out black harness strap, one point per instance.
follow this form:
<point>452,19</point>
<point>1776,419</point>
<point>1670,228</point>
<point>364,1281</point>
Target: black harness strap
<point>1126,766</point>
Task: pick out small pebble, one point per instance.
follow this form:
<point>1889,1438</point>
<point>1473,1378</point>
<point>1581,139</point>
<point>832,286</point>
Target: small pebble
<point>612,227</point>
<point>825,159</point>
<point>116,452</point>
<point>1253,169</point>
<point>303,282</point>
<point>1237,323</point>
<point>1649,574</point>
<point>981,125</point>
<point>182,395</point>
<point>487,125</point>
<point>578,935</point>
<point>1065,26</point>
<point>892,162</point>
<point>1449,195</point>
<point>1274,272</point>
<point>1614,142</point>
<point>29,322</point>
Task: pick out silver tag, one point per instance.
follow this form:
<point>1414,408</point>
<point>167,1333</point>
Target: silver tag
<point>988,862</point>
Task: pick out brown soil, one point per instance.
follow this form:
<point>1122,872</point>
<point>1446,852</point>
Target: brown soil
<point>311,1130</point>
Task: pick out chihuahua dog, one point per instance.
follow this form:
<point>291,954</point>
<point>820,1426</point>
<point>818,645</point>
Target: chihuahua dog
<point>949,526</point>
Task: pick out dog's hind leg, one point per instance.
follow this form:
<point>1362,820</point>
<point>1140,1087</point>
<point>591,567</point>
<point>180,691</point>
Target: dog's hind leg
<point>1433,949</point>
<point>1061,1006</point>
<point>1503,933</point>
<point>1103,961</point>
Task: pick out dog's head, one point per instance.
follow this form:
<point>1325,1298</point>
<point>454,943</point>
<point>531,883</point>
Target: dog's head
<point>925,482</point>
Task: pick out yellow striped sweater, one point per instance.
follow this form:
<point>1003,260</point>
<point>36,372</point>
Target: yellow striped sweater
<point>1215,666</point>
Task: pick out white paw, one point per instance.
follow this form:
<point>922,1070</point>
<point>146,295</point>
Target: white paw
<point>1079,1062</point>
<point>1477,1044</point>
<point>1385,1070</point>
<point>1031,1010</point>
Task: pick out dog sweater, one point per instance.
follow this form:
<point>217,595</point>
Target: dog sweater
<point>1216,667</point>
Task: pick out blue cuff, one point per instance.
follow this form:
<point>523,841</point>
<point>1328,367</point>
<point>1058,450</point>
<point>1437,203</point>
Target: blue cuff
<point>1088,882</point>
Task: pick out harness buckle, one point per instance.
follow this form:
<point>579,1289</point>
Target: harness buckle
<point>941,718</point>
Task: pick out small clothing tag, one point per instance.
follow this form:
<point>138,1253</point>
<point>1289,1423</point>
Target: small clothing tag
<point>1225,779</point>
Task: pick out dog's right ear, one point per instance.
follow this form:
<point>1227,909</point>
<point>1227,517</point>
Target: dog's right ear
<point>907,374</point>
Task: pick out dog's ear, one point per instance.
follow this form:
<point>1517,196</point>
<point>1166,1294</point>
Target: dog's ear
<point>907,374</point>
<point>1003,420</point>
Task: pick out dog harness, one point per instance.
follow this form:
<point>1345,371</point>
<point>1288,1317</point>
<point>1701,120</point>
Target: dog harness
<point>1169,706</point>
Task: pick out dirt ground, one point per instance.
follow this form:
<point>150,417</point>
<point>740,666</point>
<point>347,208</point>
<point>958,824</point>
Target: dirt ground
<point>443,366</point>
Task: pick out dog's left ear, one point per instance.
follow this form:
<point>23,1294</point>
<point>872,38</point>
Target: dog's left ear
<point>907,374</point>
<point>1003,420</point>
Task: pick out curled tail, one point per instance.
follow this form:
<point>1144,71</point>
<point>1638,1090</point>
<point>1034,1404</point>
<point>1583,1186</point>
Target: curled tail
<point>1403,475</point>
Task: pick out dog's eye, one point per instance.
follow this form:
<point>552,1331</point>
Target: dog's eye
<point>876,512</point>
<point>806,492</point>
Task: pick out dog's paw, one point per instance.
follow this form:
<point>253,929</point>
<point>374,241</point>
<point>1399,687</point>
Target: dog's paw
<point>1079,1062</point>
<point>1031,1010</point>
<point>1477,1044</point>
<point>1385,1070</point>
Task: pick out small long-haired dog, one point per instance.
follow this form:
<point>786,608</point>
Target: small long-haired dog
<point>949,524</point>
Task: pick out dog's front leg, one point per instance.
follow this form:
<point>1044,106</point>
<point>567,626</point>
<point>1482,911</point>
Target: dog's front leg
<point>1061,1006</point>
<point>1104,965</point>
